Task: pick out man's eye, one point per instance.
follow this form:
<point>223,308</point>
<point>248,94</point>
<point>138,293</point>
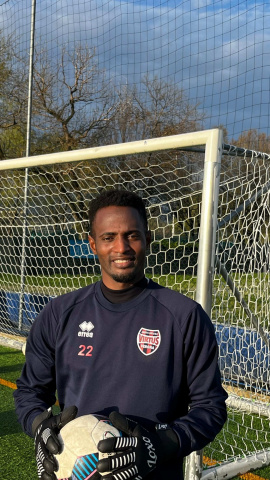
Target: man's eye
<point>134,236</point>
<point>107,239</point>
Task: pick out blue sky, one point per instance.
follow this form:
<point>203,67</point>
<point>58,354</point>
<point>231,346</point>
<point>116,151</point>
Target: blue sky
<point>217,51</point>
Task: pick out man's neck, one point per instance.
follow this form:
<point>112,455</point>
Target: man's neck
<point>124,295</point>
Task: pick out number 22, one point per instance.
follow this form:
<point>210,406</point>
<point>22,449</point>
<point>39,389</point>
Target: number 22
<point>88,349</point>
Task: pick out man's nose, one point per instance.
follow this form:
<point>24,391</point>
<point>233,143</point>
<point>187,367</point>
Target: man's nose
<point>121,244</point>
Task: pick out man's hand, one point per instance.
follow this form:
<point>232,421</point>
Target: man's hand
<point>141,452</point>
<point>45,429</point>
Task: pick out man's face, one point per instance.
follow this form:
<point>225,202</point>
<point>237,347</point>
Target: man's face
<point>120,241</point>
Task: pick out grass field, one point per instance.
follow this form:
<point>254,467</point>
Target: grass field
<point>62,283</point>
<point>17,449</point>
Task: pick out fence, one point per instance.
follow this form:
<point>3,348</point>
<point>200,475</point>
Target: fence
<point>208,209</point>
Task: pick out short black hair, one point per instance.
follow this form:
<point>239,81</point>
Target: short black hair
<point>117,198</point>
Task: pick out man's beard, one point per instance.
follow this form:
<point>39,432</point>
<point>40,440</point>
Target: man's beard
<point>124,277</point>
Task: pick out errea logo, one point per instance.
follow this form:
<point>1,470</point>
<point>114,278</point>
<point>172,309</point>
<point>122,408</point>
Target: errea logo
<point>86,328</point>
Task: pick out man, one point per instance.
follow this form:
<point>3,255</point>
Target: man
<point>124,347</point>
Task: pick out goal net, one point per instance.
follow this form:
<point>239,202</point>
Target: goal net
<point>241,311</point>
<point>44,252</point>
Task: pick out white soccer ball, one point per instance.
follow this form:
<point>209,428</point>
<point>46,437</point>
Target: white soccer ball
<point>80,454</point>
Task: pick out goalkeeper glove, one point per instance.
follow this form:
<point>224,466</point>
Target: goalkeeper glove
<point>141,452</point>
<point>45,429</point>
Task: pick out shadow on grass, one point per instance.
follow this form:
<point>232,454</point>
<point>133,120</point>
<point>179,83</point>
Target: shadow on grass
<point>9,351</point>
<point>9,423</point>
<point>11,368</point>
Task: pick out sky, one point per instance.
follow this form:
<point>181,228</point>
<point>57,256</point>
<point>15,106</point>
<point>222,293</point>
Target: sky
<point>217,51</point>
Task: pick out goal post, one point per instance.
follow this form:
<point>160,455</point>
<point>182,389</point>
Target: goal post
<point>208,222</point>
<point>206,255</point>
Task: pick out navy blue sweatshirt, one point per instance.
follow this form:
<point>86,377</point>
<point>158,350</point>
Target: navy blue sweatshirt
<point>153,358</point>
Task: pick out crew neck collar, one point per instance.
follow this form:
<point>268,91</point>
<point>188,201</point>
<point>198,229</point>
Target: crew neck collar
<point>124,295</point>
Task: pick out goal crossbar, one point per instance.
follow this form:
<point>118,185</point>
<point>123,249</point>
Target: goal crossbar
<point>209,138</point>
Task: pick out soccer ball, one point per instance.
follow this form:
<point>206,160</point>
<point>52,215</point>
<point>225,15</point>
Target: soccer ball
<point>80,454</point>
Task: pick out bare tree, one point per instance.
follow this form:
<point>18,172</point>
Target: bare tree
<point>13,100</point>
<point>153,109</point>
<point>253,140</point>
<point>72,97</point>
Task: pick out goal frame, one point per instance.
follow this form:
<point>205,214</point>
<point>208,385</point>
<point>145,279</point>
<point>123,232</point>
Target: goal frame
<point>211,141</point>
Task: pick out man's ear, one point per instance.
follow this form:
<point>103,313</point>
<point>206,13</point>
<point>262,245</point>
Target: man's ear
<point>92,244</point>
<point>148,238</point>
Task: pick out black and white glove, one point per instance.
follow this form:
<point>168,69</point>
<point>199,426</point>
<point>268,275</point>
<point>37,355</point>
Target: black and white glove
<point>46,428</point>
<point>141,452</point>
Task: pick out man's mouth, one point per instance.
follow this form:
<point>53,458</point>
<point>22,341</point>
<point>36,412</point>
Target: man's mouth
<point>123,262</point>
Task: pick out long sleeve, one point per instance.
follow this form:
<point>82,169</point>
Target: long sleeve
<point>36,385</point>
<point>206,396</point>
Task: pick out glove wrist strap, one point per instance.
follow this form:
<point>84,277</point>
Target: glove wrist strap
<point>40,418</point>
<point>169,441</point>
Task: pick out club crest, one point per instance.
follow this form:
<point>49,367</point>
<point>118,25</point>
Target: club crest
<point>148,341</point>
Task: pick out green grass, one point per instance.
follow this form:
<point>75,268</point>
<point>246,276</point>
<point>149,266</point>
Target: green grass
<point>17,449</point>
<point>240,437</point>
<point>43,284</point>
<point>46,285</point>
<point>17,458</point>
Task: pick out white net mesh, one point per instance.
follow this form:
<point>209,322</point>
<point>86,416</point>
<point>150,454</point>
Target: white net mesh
<point>241,291</point>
